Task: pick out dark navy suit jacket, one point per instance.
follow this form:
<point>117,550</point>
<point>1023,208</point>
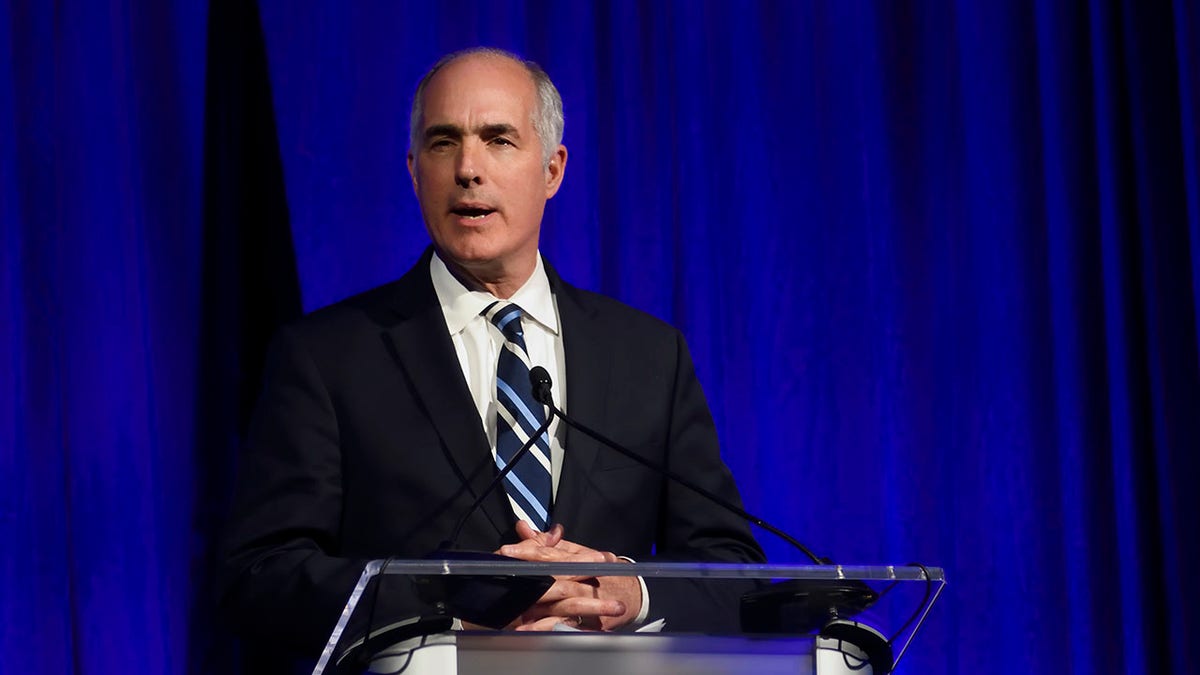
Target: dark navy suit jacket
<point>366,443</point>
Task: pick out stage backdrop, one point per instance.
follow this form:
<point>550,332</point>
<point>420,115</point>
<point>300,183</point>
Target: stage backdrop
<point>938,264</point>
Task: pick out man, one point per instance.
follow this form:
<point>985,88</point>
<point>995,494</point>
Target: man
<point>385,415</point>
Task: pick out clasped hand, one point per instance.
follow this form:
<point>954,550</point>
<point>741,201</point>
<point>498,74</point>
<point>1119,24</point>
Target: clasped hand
<point>595,603</point>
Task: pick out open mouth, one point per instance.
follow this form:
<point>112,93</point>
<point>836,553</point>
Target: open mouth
<point>472,212</point>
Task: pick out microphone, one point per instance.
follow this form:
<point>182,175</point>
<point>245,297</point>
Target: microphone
<point>793,606</point>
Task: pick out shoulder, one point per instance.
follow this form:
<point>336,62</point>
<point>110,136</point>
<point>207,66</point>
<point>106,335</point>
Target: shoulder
<point>576,302</point>
<point>363,316</point>
<point>621,316</point>
<point>598,323</point>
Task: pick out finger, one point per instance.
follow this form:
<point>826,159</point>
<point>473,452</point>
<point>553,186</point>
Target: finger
<point>533,550</point>
<point>562,589</point>
<point>625,589</point>
<point>525,530</point>
<point>530,550</point>
<point>554,535</point>
<point>550,537</point>
<point>548,623</point>
<point>591,554</point>
<point>591,609</point>
<point>523,550</point>
<point>528,532</point>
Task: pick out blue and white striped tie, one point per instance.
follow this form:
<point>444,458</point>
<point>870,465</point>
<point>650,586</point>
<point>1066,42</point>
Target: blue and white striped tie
<point>518,415</point>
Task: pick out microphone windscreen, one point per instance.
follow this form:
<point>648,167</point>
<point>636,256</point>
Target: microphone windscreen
<point>539,380</point>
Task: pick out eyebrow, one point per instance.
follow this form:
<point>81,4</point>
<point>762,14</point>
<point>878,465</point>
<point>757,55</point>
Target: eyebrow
<point>483,131</point>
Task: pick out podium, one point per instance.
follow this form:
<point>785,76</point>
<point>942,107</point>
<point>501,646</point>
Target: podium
<point>845,644</point>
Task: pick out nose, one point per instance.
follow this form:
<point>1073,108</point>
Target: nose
<point>467,169</point>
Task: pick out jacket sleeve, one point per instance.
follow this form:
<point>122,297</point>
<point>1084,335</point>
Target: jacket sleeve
<point>690,526</point>
<point>283,580</point>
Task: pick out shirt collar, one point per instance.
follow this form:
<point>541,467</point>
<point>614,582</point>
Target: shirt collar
<point>460,305</point>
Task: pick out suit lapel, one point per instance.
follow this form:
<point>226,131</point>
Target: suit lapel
<point>588,355</point>
<point>425,353</point>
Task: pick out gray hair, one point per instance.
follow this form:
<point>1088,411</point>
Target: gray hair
<point>547,117</point>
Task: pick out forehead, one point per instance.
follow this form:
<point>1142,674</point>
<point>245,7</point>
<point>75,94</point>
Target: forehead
<point>479,89</point>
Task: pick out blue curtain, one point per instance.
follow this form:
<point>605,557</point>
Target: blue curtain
<point>101,139</point>
<point>938,263</point>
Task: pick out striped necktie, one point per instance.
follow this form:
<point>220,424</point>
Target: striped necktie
<point>518,415</point>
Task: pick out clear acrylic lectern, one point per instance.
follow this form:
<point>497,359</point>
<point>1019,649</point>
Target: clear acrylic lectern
<point>869,642</point>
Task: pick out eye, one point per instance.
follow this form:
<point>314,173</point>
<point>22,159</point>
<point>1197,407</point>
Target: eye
<point>500,140</point>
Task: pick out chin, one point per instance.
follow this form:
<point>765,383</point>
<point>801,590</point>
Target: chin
<point>468,255</point>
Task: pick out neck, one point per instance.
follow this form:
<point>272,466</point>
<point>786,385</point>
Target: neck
<point>500,282</point>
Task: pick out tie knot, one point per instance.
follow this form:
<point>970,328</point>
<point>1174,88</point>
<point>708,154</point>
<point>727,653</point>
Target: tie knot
<point>507,317</point>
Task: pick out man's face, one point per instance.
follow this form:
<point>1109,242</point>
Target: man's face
<point>477,167</point>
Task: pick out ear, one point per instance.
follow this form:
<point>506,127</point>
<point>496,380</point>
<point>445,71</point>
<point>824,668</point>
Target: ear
<point>555,170</point>
<point>412,169</point>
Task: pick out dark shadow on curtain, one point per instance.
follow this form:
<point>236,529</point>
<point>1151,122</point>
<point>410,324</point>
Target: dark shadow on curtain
<point>1162,335</point>
<point>250,287</point>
